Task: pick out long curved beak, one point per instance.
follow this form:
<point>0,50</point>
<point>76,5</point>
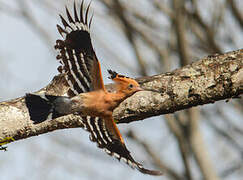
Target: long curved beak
<point>153,90</point>
<point>142,89</point>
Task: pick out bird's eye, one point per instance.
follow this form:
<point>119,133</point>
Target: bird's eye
<point>130,86</point>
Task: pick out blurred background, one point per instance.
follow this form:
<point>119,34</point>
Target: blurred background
<point>136,38</point>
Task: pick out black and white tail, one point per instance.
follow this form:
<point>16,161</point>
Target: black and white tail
<point>45,107</point>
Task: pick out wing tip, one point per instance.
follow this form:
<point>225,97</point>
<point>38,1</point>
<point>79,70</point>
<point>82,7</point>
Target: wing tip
<point>72,23</point>
<point>149,172</point>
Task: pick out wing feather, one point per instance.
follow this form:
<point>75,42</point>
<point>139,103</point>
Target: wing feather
<point>70,19</point>
<point>112,142</point>
<point>75,13</point>
<point>78,59</point>
<point>81,11</point>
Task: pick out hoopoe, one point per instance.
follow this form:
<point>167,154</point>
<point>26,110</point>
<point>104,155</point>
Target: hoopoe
<point>87,95</point>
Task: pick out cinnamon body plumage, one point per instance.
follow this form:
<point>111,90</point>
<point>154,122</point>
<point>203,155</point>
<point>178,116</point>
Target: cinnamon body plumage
<point>87,96</point>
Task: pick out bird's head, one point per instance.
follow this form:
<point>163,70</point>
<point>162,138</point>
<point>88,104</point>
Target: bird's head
<point>124,84</point>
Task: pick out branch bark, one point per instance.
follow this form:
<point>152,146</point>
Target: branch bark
<point>210,79</point>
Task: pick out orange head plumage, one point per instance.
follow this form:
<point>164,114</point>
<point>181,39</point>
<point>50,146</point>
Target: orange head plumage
<point>124,84</point>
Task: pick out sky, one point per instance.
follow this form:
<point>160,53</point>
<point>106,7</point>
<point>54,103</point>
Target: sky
<point>28,63</point>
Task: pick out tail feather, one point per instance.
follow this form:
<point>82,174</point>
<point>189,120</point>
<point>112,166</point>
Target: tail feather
<point>41,107</point>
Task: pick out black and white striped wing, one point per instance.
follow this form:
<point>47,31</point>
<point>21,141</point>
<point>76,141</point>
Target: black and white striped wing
<point>100,134</point>
<point>76,55</point>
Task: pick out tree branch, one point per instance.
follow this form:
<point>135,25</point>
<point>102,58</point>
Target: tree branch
<point>210,79</point>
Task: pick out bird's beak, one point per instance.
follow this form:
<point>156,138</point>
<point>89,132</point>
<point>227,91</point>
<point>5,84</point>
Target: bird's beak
<point>139,89</point>
<point>153,90</point>
<point>142,89</point>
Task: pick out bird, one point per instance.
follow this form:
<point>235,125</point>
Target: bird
<point>87,97</point>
